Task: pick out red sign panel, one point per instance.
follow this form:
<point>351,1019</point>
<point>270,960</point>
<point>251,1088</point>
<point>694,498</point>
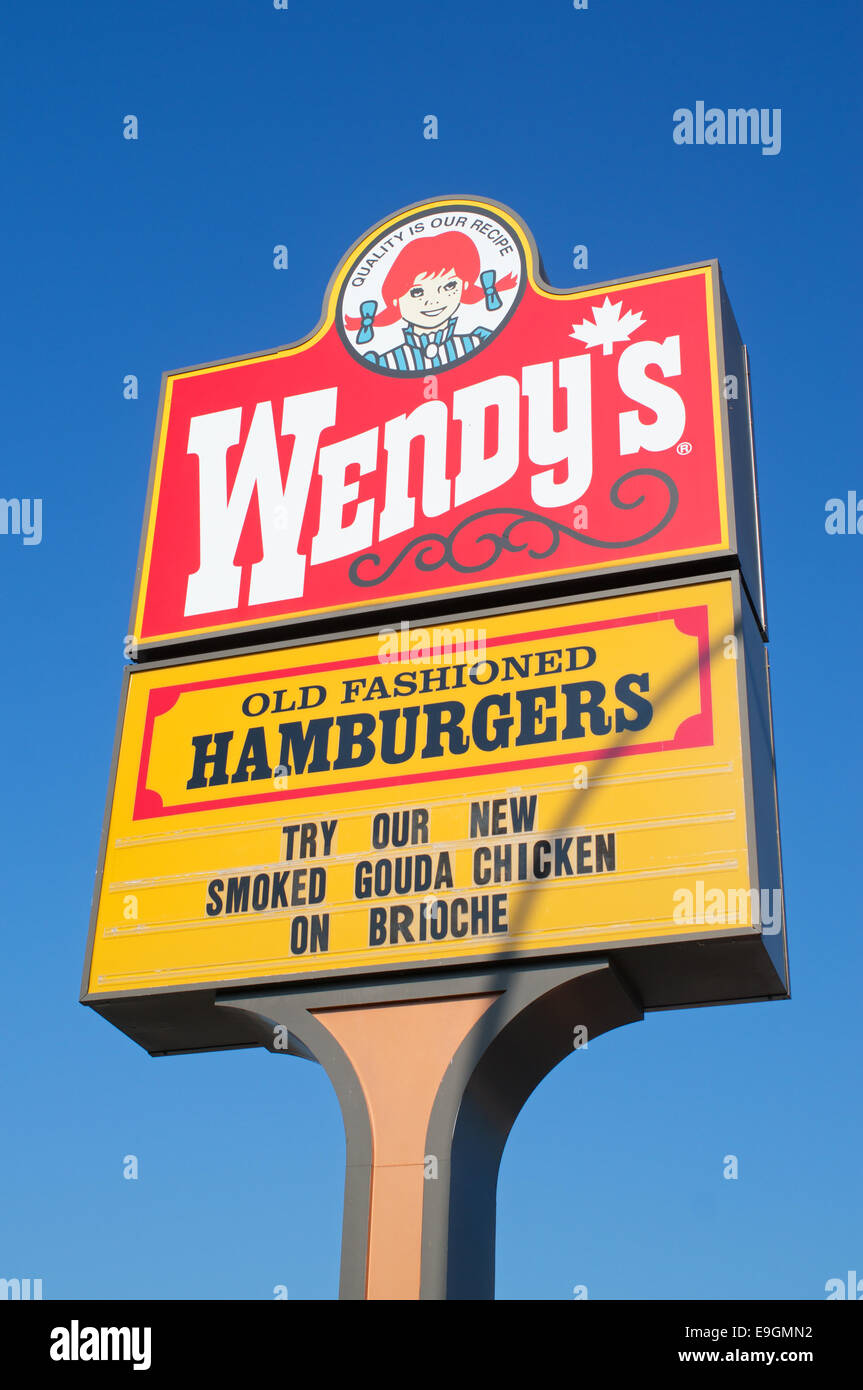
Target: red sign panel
<point>452,425</point>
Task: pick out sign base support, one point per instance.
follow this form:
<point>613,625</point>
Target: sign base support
<point>431,1074</point>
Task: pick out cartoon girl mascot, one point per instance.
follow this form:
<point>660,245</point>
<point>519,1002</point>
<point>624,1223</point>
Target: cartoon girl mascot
<point>427,282</point>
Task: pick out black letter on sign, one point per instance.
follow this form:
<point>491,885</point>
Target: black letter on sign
<point>354,731</point>
<point>480,726</point>
<point>643,709</point>
<point>577,707</point>
<point>214,893</point>
<point>444,718</point>
<point>297,741</point>
<point>254,755</point>
<point>219,759</point>
<point>389,724</point>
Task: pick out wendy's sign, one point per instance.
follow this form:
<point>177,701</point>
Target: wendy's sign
<point>452,425</point>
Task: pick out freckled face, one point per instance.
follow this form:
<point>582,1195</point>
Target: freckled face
<point>432,299</point>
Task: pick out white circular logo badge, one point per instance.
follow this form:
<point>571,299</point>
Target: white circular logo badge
<point>433,289</point>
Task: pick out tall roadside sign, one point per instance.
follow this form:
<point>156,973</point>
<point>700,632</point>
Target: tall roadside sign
<point>448,740</point>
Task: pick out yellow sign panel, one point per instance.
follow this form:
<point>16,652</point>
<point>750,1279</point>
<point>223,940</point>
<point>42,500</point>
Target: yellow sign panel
<point>541,782</point>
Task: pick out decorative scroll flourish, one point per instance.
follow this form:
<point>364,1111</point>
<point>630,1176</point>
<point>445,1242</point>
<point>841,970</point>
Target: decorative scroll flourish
<point>434,550</point>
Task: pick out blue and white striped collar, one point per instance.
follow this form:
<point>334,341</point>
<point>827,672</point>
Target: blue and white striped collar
<point>422,340</point>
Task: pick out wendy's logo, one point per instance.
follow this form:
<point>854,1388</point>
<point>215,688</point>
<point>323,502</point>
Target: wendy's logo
<point>430,289</point>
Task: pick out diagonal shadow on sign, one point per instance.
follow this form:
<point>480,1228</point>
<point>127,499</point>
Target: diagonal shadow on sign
<point>512,1046</point>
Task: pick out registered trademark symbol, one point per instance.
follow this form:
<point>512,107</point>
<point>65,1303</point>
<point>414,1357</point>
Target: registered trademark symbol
<point>684,448</point>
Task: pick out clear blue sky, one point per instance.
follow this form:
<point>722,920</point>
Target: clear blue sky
<point>304,127</point>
